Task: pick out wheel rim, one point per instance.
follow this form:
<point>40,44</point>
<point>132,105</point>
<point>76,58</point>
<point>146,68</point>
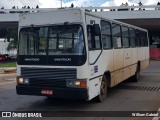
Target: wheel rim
<point>103,88</point>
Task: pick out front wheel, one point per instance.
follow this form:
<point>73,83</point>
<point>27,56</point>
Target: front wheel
<point>103,90</point>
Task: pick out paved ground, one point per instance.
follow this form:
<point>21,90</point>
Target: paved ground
<point>127,96</point>
<point>6,78</point>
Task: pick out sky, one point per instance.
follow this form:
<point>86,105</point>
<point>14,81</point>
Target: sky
<point>8,4</point>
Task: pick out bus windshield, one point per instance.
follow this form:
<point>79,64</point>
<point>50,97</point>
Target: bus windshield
<point>52,40</point>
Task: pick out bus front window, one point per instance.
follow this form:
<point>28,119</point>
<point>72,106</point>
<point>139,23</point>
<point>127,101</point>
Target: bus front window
<point>33,41</point>
<point>66,40</point>
<point>52,40</point>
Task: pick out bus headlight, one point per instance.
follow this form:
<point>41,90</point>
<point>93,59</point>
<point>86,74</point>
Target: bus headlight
<point>22,80</point>
<point>76,83</point>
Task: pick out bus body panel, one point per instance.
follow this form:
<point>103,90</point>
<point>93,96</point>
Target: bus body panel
<point>118,59</point>
<point>147,53</point>
<point>127,57</point>
<point>140,53</point>
<point>118,66</point>
<point>144,53</point>
<point>108,63</point>
<point>147,57</point>
<point>134,56</point>
<point>145,62</point>
<point>108,60</point>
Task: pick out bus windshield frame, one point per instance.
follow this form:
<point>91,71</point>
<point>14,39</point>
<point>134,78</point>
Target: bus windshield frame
<point>62,43</point>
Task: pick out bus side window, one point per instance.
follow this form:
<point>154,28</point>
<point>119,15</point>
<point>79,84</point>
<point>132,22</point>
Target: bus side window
<point>132,37</point>
<point>93,38</point>
<point>106,34</point>
<point>144,39</point>
<point>89,37</point>
<point>116,35</point>
<point>138,38</point>
<point>125,37</point>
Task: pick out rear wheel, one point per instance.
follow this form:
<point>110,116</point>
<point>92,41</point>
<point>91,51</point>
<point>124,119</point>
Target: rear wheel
<point>136,76</point>
<point>103,90</point>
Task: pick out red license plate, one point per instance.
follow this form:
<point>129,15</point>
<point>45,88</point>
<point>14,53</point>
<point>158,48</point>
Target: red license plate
<point>47,92</point>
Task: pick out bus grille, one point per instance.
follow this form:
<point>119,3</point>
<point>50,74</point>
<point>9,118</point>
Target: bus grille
<point>49,77</point>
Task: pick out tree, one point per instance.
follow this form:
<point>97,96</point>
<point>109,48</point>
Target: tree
<point>13,39</point>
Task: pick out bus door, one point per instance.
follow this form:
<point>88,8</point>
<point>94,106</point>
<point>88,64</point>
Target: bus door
<point>94,44</point>
<point>93,39</point>
<point>95,57</point>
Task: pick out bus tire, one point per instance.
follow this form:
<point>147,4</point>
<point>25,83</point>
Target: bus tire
<point>136,76</point>
<point>103,90</point>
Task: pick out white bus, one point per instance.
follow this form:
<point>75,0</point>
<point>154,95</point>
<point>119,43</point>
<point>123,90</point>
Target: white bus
<point>73,53</point>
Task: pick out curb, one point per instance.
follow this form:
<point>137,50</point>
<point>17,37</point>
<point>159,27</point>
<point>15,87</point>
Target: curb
<point>10,70</point>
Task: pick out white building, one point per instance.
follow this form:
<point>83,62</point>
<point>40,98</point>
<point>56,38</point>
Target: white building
<point>3,48</point>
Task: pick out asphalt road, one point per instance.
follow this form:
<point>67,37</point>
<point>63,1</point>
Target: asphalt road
<point>127,96</point>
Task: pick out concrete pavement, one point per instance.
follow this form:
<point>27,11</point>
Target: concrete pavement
<point>127,96</point>
<point>7,75</point>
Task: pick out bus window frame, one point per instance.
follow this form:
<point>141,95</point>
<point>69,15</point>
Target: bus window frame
<point>144,38</point>
<point>138,41</point>
<point>111,40</point>
<point>129,44</point>
<point>117,36</point>
<point>93,38</point>
<point>132,37</point>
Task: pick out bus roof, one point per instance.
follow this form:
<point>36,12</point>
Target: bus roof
<point>111,20</point>
<point>29,18</point>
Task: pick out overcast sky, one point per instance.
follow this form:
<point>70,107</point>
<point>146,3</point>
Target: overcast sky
<point>66,3</point>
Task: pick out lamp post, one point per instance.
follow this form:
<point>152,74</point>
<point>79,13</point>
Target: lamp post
<point>61,3</point>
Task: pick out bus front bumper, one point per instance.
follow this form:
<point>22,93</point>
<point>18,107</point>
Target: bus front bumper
<point>75,93</point>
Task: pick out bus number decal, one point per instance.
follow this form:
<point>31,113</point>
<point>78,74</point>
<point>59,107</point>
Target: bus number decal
<point>95,69</point>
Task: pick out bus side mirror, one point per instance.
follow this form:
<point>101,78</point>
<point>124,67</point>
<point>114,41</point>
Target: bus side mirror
<point>96,30</point>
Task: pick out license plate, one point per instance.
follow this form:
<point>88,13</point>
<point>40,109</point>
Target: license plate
<point>47,92</point>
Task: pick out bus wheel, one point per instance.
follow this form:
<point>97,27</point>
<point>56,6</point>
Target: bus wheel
<point>103,90</point>
<point>136,76</point>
